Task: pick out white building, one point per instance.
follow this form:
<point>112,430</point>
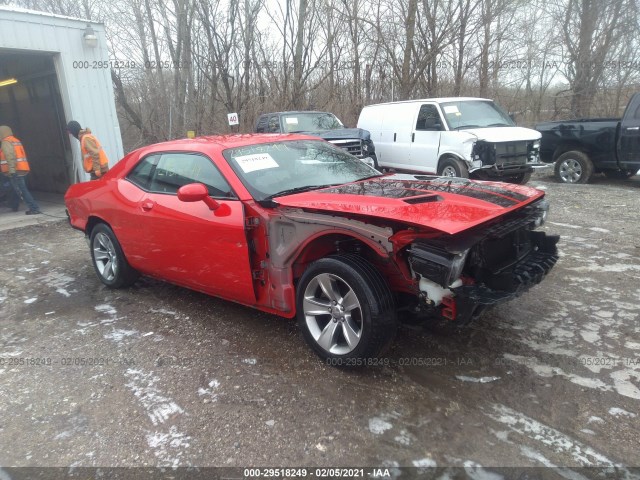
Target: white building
<point>54,69</point>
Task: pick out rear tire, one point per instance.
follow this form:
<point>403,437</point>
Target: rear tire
<point>573,167</point>
<point>345,310</point>
<point>108,259</point>
<point>452,167</point>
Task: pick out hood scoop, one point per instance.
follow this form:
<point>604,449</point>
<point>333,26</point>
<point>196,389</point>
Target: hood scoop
<point>422,199</point>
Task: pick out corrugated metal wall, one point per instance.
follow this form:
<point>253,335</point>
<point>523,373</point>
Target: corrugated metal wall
<point>87,93</point>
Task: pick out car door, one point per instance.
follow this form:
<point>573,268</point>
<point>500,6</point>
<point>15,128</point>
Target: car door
<point>425,139</point>
<point>629,142</point>
<point>187,243</point>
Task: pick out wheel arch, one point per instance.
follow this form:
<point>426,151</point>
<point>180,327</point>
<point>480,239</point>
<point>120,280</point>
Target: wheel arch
<point>92,221</point>
<point>450,155</point>
<point>565,147</point>
<point>323,244</point>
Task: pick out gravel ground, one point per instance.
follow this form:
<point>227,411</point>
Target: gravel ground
<point>157,375</point>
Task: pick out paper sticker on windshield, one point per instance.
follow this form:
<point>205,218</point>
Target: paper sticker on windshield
<point>451,109</point>
<point>291,120</point>
<point>257,161</point>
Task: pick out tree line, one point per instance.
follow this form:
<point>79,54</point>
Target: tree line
<point>197,60</point>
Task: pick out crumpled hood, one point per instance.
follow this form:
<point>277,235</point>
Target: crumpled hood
<point>449,205</point>
<point>341,134</point>
<point>503,134</point>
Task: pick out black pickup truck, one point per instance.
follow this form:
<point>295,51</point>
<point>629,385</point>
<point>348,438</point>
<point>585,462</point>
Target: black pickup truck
<point>325,125</point>
<point>581,148</point>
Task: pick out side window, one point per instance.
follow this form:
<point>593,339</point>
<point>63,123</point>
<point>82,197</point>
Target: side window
<point>428,118</point>
<point>142,172</point>
<point>175,170</point>
<point>274,124</point>
<point>261,126</point>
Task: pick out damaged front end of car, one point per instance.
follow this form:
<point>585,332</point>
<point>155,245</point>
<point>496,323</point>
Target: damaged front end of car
<point>460,275</point>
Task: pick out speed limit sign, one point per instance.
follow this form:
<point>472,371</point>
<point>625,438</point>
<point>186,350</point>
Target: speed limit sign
<point>233,118</point>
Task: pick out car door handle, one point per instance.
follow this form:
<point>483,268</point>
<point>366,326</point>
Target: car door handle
<point>633,128</point>
<point>394,136</point>
<point>413,137</point>
<point>147,205</point>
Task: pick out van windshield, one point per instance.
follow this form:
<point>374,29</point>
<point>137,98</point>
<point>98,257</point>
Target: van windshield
<point>474,114</point>
<point>310,122</point>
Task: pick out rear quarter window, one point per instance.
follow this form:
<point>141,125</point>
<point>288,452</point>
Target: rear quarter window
<point>143,171</point>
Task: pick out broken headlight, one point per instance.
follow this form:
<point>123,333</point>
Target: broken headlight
<point>436,264</point>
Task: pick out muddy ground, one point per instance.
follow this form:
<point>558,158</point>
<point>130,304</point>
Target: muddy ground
<point>157,375</point>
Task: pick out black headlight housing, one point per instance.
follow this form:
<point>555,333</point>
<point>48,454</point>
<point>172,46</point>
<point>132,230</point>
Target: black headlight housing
<point>436,264</point>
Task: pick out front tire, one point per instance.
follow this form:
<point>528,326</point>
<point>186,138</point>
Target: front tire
<point>345,310</point>
<point>452,167</point>
<point>108,259</point>
<point>573,167</point>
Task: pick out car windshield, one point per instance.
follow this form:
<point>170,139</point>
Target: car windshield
<point>272,169</point>
<point>474,114</point>
<point>310,122</point>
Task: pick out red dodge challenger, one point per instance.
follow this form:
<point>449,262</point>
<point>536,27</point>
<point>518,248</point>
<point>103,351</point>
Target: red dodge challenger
<point>294,226</point>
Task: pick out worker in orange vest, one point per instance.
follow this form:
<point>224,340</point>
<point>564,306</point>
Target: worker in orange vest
<point>94,159</point>
<point>14,164</point>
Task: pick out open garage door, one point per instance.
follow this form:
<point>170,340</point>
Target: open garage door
<point>32,107</point>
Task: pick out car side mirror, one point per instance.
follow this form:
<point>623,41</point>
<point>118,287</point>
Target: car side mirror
<point>196,192</point>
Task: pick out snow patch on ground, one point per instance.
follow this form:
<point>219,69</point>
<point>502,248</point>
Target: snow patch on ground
<point>158,407</point>
<point>475,471</point>
<point>477,379</point>
<point>566,225</point>
<point>619,412</point>
<point>632,345</point>
<point>164,311</point>
<point>424,463</point>
<point>169,446</point>
<point>378,426</point>
<point>56,280</point>
<point>29,301</point>
<point>119,334</point>
<point>211,391</point>
<point>609,268</point>
<point>404,439</point>
<point>104,308</point>
<point>622,383</point>
<point>562,471</point>
<point>548,436</point>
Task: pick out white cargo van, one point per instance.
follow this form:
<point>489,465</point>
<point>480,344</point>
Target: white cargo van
<point>454,137</point>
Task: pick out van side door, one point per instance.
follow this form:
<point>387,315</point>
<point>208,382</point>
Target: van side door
<point>393,145</point>
<point>425,139</point>
<point>629,140</point>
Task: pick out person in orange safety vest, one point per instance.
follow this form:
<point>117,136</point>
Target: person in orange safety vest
<point>94,158</point>
<point>14,164</point>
